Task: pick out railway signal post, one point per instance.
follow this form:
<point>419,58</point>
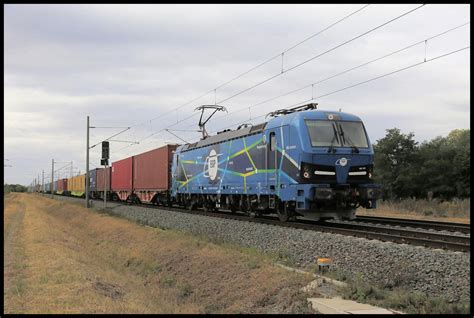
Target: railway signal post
<point>104,162</point>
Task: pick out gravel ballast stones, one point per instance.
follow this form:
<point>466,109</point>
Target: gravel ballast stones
<point>433,272</point>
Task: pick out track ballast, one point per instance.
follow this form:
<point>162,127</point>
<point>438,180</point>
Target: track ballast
<point>441,240</point>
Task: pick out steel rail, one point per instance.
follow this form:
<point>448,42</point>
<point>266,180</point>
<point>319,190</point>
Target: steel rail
<point>424,224</point>
<point>367,232</point>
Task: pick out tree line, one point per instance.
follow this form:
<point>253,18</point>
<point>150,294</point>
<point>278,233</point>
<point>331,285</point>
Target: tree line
<point>14,188</point>
<point>438,168</point>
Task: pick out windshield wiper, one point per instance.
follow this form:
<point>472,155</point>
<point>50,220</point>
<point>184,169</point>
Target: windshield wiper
<point>331,146</point>
<point>344,137</point>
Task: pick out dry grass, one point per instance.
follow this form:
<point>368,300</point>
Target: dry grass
<point>14,255</point>
<point>450,211</point>
<point>398,298</point>
<point>78,261</point>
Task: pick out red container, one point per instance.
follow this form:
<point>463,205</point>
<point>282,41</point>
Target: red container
<point>100,179</point>
<point>152,169</point>
<point>122,175</point>
<point>62,185</point>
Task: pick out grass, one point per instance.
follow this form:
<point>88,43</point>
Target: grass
<point>393,296</point>
<point>457,209</point>
<point>15,262</point>
<point>79,261</point>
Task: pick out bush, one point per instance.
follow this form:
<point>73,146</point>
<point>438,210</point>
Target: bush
<point>454,208</point>
<point>400,299</point>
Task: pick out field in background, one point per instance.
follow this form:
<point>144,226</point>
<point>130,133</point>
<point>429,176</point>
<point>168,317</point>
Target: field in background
<point>62,258</point>
<point>450,211</point>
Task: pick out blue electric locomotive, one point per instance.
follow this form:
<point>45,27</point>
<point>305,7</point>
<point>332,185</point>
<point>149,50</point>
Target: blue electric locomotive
<point>302,162</point>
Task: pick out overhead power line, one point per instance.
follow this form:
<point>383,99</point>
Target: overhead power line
<point>292,47</point>
<point>317,56</point>
<point>350,86</point>
<point>345,71</point>
<point>244,73</point>
<point>257,66</point>
<point>298,65</point>
<point>356,84</point>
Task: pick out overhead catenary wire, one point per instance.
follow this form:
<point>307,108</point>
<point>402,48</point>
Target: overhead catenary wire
<point>257,66</point>
<point>290,69</point>
<point>292,47</point>
<point>248,71</point>
<point>356,84</point>
<point>345,71</point>
<point>317,56</point>
<point>126,128</point>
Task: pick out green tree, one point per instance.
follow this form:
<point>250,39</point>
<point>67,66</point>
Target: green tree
<point>440,166</point>
<point>395,155</point>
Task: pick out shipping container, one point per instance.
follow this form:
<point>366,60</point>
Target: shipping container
<point>69,185</point>
<point>100,179</point>
<point>56,186</point>
<point>92,180</point>
<point>152,174</point>
<point>62,186</point>
<point>122,178</point>
<point>77,185</point>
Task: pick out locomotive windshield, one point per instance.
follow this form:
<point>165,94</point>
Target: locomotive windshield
<point>326,133</point>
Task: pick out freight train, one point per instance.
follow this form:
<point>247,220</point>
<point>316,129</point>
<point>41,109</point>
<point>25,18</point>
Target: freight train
<point>302,162</point>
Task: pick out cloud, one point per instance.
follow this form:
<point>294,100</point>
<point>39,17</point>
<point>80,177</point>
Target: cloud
<point>125,65</point>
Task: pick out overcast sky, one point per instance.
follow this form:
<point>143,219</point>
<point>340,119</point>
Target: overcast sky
<point>137,65</point>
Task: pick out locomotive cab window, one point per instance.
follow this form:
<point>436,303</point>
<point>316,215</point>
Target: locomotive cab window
<point>326,133</point>
<point>272,141</point>
<point>322,133</point>
<point>353,134</point>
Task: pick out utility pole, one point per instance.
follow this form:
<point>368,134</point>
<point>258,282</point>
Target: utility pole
<point>52,177</point>
<point>87,165</point>
<point>42,184</point>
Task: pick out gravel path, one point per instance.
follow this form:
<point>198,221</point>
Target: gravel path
<point>434,272</point>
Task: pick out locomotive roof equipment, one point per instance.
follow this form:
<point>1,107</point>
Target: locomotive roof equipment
<point>286,111</point>
<point>202,125</point>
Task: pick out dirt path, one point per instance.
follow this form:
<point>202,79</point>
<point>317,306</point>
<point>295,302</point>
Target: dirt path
<point>79,261</point>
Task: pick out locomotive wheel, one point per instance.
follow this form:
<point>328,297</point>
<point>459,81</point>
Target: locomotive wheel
<point>191,205</point>
<point>253,212</point>
<point>284,213</point>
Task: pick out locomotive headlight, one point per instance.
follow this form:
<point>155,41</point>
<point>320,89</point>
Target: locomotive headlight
<point>370,175</point>
<point>306,175</point>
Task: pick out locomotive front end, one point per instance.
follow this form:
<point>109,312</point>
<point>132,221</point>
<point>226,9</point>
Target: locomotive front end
<point>336,166</point>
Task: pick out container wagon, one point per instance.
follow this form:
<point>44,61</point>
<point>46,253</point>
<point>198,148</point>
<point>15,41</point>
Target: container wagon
<point>47,187</point>
<point>92,183</point>
<point>62,186</point>
<point>152,175</point>
<point>122,179</point>
<point>77,185</point>
<point>102,183</point>
<point>97,181</point>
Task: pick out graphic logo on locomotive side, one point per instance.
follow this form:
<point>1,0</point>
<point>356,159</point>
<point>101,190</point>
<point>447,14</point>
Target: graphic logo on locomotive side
<point>212,165</point>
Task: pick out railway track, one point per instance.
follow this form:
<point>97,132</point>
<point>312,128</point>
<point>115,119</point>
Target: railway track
<point>441,240</point>
<point>421,224</point>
